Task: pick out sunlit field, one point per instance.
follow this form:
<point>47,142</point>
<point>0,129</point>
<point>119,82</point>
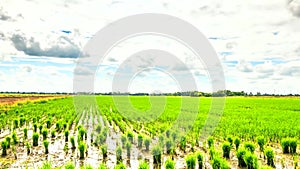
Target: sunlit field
<point>253,132</point>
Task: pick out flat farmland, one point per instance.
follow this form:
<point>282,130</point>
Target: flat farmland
<point>155,132</point>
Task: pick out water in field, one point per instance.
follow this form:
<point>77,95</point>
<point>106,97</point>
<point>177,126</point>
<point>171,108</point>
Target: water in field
<point>243,117</point>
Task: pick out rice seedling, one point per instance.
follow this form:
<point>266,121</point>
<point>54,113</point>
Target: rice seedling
<point>8,141</point>
<point>170,164</point>
<point>241,152</point>
<point>226,150</point>
<point>143,165</point>
<point>25,131</point>
<point>156,153</point>
<point>200,159</point>
<point>147,143</point>
<point>190,161</point>
<point>119,154</point>
<point>237,143</point>
<point>128,148</point>
<point>46,145</point>
<point>45,134</point>
<point>4,145</point>
<point>249,146</point>
<point>120,166</point>
<point>104,151</point>
<point>269,153</point>
<point>261,141</point>
<point>66,132</point>
<point>82,149</point>
<point>140,141</point>
<point>251,160</point>
<point>73,142</point>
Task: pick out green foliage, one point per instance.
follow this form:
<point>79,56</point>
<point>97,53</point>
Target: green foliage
<point>237,143</point>
<point>289,145</point>
<point>168,133</point>
<point>183,143</point>
<point>8,139</point>
<point>128,148</point>
<point>140,141</point>
<point>104,151</point>
<point>81,133</point>
<point>66,132</point>
<point>250,146</point>
<point>14,138</point>
<point>199,159</point>
<point>48,123</point>
<point>169,146</point>
<point>143,165</point>
<point>70,165</point>
<point>285,143</point>
<point>293,145</point>
<point>46,145</point>
<point>25,131</point>
<point>244,118</point>
<point>46,165</point>
<point>82,149</point>
<point>41,128</point>
<point>102,166</point>
<point>226,150</point>
<point>123,140</point>
<point>28,147</point>
<point>53,133</point>
<point>22,121</point>
<point>119,154</point>
<point>251,161</point>
<point>45,134</point>
<point>241,152</point>
<point>147,143</point>
<point>58,126</point>
<point>219,163</point>
<point>87,167</point>
<point>230,140</point>
<point>34,120</point>
<point>210,142</point>
<point>266,167</point>
<point>98,128</point>
<point>161,140</point>
<point>65,125</point>
<point>190,161</point>
<point>174,136</point>
<point>270,157</point>
<point>35,127</point>
<point>213,153</point>
<point>130,136</point>
<point>261,141</point>
<point>156,153</point>
<point>16,123</point>
<point>35,139</point>
<point>170,164</point>
<point>120,166</point>
<point>4,146</point>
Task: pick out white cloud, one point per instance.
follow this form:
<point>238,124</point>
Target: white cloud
<point>244,66</point>
<point>62,46</point>
<point>240,31</point>
<point>294,7</point>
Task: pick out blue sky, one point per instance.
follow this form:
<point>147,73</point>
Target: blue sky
<point>257,43</point>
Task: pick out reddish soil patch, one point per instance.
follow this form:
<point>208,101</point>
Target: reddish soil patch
<point>13,99</point>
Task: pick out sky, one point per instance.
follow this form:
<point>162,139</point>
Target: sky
<point>257,42</point>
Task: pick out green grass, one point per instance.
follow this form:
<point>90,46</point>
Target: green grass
<point>245,119</point>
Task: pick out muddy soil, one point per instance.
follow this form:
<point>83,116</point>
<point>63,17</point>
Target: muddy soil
<point>60,152</point>
<point>10,100</point>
